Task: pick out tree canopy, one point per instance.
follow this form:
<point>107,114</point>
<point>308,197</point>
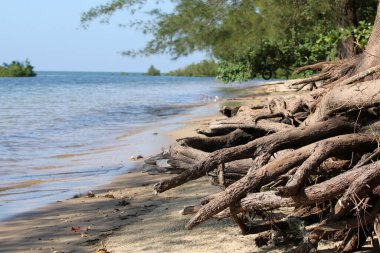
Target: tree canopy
<point>17,69</point>
<point>152,71</point>
<point>248,33</point>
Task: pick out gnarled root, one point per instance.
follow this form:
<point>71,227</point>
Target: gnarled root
<point>317,153</point>
<point>256,179</point>
<point>330,73</point>
<point>265,146</point>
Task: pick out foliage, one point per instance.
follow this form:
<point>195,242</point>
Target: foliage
<point>17,69</point>
<point>152,71</point>
<point>282,56</point>
<point>203,68</point>
<point>245,35</point>
<point>233,71</point>
<point>361,34</point>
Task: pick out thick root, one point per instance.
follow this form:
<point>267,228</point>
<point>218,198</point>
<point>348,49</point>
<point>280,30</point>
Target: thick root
<point>265,146</point>
<point>331,73</point>
<point>256,179</point>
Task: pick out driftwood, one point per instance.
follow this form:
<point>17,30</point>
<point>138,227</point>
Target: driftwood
<point>315,153</point>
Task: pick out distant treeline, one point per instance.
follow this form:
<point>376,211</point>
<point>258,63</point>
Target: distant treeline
<point>201,69</point>
<point>152,71</point>
<point>17,69</point>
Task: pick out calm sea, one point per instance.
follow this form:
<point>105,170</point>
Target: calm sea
<point>64,133</point>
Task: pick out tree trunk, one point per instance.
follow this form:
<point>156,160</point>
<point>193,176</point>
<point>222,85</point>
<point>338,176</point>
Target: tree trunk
<point>319,150</point>
<point>371,55</point>
<point>346,18</point>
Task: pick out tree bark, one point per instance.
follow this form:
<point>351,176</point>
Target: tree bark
<point>266,145</point>
<point>253,181</point>
<point>354,97</point>
<point>371,55</point>
<point>314,194</point>
<point>347,18</point>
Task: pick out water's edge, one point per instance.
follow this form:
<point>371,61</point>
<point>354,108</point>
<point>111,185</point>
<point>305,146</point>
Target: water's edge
<point>146,142</point>
<point>65,133</point>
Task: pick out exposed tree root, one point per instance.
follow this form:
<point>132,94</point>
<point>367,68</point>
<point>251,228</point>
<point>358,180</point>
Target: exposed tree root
<point>330,73</point>
<point>265,147</point>
<point>314,194</point>
<point>316,154</point>
<point>259,177</point>
<point>320,66</point>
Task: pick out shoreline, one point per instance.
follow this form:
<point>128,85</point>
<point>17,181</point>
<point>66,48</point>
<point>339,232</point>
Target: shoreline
<point>85,223</point>
<point>71,139</point>
<point>52,228</point>
<point>104,164</point>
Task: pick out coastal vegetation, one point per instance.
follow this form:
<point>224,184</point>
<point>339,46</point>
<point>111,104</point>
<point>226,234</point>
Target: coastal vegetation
<point>247,37</point>
<point>315,152</point>
<point>152,71</point>
<point>205,68</point>
<point>17,69</point>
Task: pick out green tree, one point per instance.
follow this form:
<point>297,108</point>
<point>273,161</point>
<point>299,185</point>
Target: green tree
<point>201,69</point>
<point>17,69</point>
<point>152,71</point>
<point>252,33</point>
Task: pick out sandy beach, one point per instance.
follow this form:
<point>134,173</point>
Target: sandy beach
<point>190,126</point>
<point>127,208</point>
<point>125,216</point>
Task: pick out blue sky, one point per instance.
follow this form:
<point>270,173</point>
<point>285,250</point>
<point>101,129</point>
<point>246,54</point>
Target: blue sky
<point>48,33</point>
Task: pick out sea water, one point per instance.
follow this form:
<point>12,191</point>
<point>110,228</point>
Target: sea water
<point>64,133</point>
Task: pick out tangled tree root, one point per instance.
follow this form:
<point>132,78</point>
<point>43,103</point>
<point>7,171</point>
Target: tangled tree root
<point>315,153</point>
<point>323,167</point>
<point>330,72</point>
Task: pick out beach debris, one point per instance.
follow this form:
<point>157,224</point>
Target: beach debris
<point>189,210</point>
<point>75,229</point>
<point>90,194</point>
<point>102,251</point>
<point>314,153</point>
<point>124,202</point>
<point>102,248</point>
<point>136,158</point>
<point>229,111</point>
<point>109,195</point>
